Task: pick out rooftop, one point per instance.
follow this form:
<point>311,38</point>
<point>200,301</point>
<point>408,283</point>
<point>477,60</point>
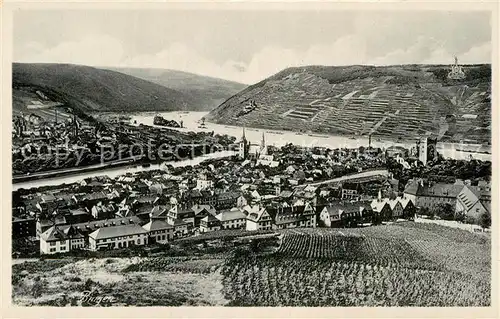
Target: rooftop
<point>157,224</point>
<point>231,214</point>
<point>435,190</point>
<point>118,231</point>
<point>210,219</point>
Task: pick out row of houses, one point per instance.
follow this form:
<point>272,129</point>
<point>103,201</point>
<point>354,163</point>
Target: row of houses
<point>109,234</point>
<point>352,214</point>
<point>165,222</point>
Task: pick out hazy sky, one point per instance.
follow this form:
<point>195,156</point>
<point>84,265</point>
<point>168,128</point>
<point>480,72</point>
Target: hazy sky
<point>249,46</point>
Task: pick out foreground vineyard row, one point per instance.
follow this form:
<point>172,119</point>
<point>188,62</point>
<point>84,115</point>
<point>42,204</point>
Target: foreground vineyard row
<point>371,250</point>
<point>401,230</point>
<point>274,281</point>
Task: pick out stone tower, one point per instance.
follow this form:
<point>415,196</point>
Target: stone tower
<point>427,150</point>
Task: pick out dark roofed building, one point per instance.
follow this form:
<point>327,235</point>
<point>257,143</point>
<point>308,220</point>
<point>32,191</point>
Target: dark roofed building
<point>78,215</point>
<point>23,227</point>
<point>43,224</point>
<point>292,216</point>
<point>227,200</point>
<point>461,197</point>
<point>210,223</point>
<point>201,211</point>
<point>159,231</point>
<point>160,212</point>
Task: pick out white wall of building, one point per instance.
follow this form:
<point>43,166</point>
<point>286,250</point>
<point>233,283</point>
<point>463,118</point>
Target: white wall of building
<point>117,242</point>
<point>54,247</point>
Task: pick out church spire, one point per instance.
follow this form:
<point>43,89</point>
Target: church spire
<point>243,135</point>
<point>263,142</point>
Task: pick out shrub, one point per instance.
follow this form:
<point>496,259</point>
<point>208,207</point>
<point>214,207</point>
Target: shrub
<point>89,284</point>
<point>38,287</point>
<point>470,220</point>
<point>445,211</point>
<point>72,278</point>
<point>485,220</point>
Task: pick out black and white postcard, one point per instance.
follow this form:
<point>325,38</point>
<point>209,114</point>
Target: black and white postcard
<point>311,155</point>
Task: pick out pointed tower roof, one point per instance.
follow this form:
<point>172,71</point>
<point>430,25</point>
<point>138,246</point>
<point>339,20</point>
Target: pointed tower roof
<point>243,138</point>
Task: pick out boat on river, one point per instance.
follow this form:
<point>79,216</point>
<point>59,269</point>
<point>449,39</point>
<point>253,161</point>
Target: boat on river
<point>202,124</point>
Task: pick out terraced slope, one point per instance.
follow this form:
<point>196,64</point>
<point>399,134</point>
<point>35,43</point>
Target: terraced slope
<point>390,102</point>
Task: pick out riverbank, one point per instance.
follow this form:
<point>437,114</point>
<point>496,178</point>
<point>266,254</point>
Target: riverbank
<point>115,171</point>
<point>73,171</point>
<point>279,138</point>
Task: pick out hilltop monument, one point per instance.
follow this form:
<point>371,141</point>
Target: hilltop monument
<point>456,72</point>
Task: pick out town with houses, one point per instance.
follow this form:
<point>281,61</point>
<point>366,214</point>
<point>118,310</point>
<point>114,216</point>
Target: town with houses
<point>183,168</point>
<point>261,187</point>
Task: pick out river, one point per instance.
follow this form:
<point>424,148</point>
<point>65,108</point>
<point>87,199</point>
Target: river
<point>273,137</point>
<point>280,138</point>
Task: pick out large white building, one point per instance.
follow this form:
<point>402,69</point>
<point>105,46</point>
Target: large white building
<point>118,237</point>
<point>232,218</point>
<point>60,240</point>
<point>257,218</point>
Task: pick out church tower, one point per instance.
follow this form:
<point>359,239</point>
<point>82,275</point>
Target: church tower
<point>244,147</point>
<point>263,147</point>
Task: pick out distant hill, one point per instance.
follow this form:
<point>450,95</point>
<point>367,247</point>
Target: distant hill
<point>212,91</point>
<point>94,89</point>
<point>403,101</point>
